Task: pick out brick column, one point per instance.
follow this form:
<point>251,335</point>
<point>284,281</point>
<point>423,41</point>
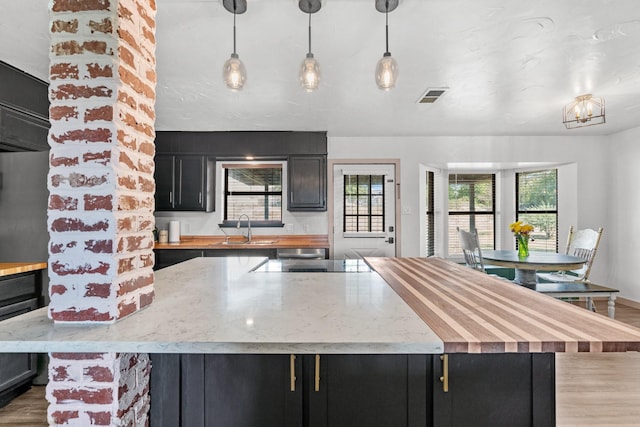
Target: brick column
<point>102,92</point>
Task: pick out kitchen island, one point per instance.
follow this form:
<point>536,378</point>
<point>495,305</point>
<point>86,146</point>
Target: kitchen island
<point>436,344</point>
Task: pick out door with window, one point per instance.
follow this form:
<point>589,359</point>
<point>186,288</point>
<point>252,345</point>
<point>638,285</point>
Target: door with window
<point>364,220</point>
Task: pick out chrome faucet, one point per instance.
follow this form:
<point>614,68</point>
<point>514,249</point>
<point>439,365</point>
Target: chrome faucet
<point>248,225</point>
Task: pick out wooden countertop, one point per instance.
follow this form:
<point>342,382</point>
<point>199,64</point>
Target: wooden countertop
<point>238,242</point>
<point>9,268</point>
<point>473,312</point>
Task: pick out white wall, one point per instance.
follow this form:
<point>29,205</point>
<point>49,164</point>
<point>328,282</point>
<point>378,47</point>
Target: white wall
<point>622,232</point>
<point>586,154</point>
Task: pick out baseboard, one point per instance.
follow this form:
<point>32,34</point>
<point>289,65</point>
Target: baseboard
<point>628,302</point>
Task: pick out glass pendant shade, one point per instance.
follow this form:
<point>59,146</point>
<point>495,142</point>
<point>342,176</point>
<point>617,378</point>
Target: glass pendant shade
<point>386,72</point>
<point>234,73</point>
<point>310,73</point>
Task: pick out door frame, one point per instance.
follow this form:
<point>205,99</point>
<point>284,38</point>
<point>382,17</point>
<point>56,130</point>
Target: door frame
<point>331,163</point>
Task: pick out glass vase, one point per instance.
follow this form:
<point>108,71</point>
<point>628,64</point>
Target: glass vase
<point>523,246</point>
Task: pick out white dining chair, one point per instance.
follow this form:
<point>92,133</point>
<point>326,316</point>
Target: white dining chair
<point>471,249</point>
<point>583,244</point>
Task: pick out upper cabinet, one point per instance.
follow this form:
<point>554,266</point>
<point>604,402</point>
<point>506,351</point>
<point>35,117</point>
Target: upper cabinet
<point>24,111</point>
<point>307,179</point>
<point>184,183</point>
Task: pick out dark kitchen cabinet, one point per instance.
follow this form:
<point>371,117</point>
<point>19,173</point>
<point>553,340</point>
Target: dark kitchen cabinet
<point>280,390</point>
<point>19,294</point>
<point>20,131</point>
<point>184,183</point>
<point>169,257</point>
<point>307,180</point>
<point>492,390</point>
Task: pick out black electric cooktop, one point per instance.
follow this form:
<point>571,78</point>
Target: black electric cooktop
<point>313,266</point>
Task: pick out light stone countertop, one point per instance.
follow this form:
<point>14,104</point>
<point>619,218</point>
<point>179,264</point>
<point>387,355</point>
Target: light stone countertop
<point>215,305</point>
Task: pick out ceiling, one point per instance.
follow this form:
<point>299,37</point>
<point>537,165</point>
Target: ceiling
<point>510,66</point>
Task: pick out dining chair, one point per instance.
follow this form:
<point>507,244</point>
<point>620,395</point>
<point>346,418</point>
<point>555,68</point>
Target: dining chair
<point>583,244</point>
<point>471,249</point>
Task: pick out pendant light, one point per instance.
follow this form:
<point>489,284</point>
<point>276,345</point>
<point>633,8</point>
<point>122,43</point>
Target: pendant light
<point>387,67</point>
<point>309,69</point>
<point>233,71</point>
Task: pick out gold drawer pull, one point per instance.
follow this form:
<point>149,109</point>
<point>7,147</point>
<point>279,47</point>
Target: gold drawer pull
<point>444,379</point>
<point>292,367</point>
<point>317,378</point>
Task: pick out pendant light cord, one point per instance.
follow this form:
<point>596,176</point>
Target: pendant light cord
<point>386,15</point>
<point>234,27</point>
<point>309,32</point>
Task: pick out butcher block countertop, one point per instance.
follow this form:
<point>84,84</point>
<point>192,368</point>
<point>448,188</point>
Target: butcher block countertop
<point>283,241</point>
<point>473,312</point>
<point>9,268</point>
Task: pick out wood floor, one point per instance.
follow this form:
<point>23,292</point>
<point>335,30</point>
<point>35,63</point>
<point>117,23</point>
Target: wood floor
<point>592,389</point>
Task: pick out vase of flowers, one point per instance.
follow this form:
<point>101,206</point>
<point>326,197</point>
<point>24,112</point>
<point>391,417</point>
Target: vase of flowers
<point>522,232</point>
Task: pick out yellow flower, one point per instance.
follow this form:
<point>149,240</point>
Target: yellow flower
<point>519,228</point>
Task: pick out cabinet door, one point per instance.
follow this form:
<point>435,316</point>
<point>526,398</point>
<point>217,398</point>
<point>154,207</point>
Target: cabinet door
<point>253,390</point>
<point>307,179</point>
<point>509,389</point>
<point>190,183</point>
<point>368,390</point>
<point>168,257</point>
<point>23,132</point>
<point>165,176</point>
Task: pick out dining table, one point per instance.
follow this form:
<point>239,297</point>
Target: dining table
<point>526,267</point>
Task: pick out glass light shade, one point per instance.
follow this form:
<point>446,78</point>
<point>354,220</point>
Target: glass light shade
<point>585,110</point>
<point>310,73</point>
<point>386,72</point>
<point>233,73</point>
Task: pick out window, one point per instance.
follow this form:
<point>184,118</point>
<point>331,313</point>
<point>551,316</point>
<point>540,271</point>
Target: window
<point>363,203</point>
<point>472,204</point>
<point>254,190</point>
<point>429,215</point>
<point>537,204</point>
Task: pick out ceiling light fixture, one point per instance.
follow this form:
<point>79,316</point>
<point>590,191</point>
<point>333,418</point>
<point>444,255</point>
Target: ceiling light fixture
<point>233,71</point>
<point>387,67</point>
<point>309,69</point>
<point>584,111</point>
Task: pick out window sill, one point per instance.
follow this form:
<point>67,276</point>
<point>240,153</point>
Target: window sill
<point>254,224</point>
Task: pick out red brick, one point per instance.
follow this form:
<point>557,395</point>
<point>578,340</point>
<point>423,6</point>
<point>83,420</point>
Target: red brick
<point>148,148</point>
<point>77,180</point>
<point>126,309</point>
<point>100,290</point>
<point>146,166</point>
<point>78,356</point>
<point>77,224</point>
<point>127,182</point>
<point>63,112</point>
<point>96,70</point>
<point>100,418</point>
<point>60,26</point>
<point>77,6</point>
<point>146,185</point>
<point>151,76</point>
<point>125,224</point>
<point>71,91</point>
<point>63,161</point>
<point>127,140</point>
<point>148,34</point>
<point>134,243</point>
<point>146,225</point>
<point>60,248</point>
<point>99,113</point>
<point>126,160</point>
<point>135,83</point>
<point>63,70</point>
<point>125,265</point>
<point>147,298</point>
<point>83,135</point>
<point>128,203</point>
<point>147,260</point>
<point>63,417</point>
<point>94,202</point>
<point>60,203</point>
<point>57,289</point>
<point>99,246</point>
<point>63,270</point>
<point>125,13</point>
<point>102,157</point>
<point>103,26</point>
<point>99,374</point>
<point>88,315</point>
<point>101,396</point>
<point>133,284</point>
<point>72,47</point>
<point>148,110</point>
<point>60,373</point>
<point>129,39</point>
<point>126,56</point>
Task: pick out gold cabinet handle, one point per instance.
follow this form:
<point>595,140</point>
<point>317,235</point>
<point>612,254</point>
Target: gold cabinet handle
<point>317,377</point>
<point>292,368</point>
<point>444,379</point>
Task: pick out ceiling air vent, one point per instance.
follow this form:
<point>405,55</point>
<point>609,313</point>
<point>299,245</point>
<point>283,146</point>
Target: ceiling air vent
<point>432,95</point>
